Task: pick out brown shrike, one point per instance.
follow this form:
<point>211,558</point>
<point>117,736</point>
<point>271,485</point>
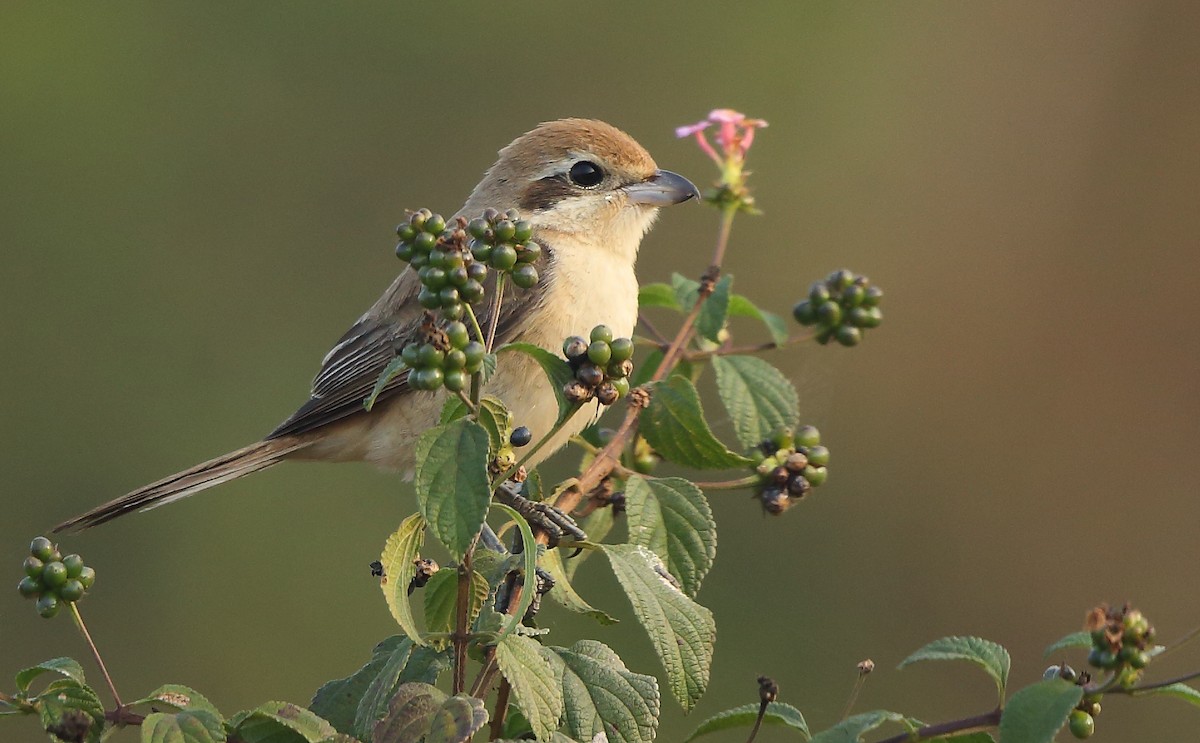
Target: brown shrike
<point>591,192</point>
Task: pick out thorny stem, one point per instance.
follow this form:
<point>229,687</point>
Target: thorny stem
<point>501,709</point>
<point>966,724</point>
<point>95,653</point>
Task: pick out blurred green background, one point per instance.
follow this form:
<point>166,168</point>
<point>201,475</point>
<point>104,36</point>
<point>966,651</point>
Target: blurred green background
<point>198,199</point>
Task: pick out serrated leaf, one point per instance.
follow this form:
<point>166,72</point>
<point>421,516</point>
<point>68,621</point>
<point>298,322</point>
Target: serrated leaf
<point>441,599</point>
<point>337,701</point>
<point>715,310</point>
<point>1073,640</point>
<point>67,695</point>
<point>66,666</point>
<point>1178,690</point>
<point>410,714</point>
<point>373,704</point>
<point>986,654</point>
<point>852,728</point>
<point>1037,712</point>
<point>674,425</point>
<point>672,518</point>
<point>777,713</point>
<point>180,698</point>
<point>759,398</point>
<point>458,719</point>
<point>602,696</point>
<point>393,369</point>
<point>683,632</point>
<point>402,547</point>
<point>686,291</point>
<point>529,556</point>
<point>564,593</point>
<point>557,370</point>
<point>493,416</point>
<point>188,726</point>
<point>453,488</point>
<point>740,306</point>
<point>536,686</point>
<point>280,722</point>
<point>657,295</point>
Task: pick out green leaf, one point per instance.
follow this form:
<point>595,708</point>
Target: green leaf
<point>1037,712</point>
<point>529,555</point>
<point>180,698</point>
<point>601,695</point>
<point>657,295</point>
<point>536,686</point>
<point>686,291</point>
<point>453,488</point>
<point>714,313</point>
<point>457,721</point>
<point>493,416</point>
<point>674,425</point>
<point>1178,690</point>
<point>441,599</point>
<point>564,593</point>
<point>68,695</point>
<point>986,654</point>
<point>410,713</point>
<point>557,370</point>
<point>373,704</point>
<point>189,726</point>
<point>682,631</point>
<point>672,517</point>
<point>66,666</point>
<point>393,368</point>
<point>280,722</point>
<point>402,547</point>
<point>1074,640</point>
<point>777,713</point>
<point>759,398</point>
<point>337,701</point>
<point>740,306</point>
<point>852,728</point>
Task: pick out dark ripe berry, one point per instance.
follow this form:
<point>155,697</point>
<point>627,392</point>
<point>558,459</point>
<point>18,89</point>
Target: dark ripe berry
<point>47,605</point>
<point>780,475</point>
<point>523,231</point>
<point>829,313</point>
<point>424,242</point>
<point>529,252</point>
<point>525,276</point>
<point>620,369</point>
<point>404,250</point>
<point>818,455</point>
<point>848,335</point>
<point>840,279</point>
<point>1081,724</point>
<point>475,352</point>
<point>477,227</point>
<point>818,294</point>
<point>429,298</point>
<point>477,271</point>
<point>599,353</point>
<point>432,277</point>
<point>456,379</point>
<point>455,359</point>
<point>405,231</point>
<point>429,356</point>
<point>54,574</point>
<point>622,349</point>
<point>774,501</point>
<point>41,548</point>
<point>807,436</point>
<point>853,296</point>
<point>576,391</point>
<point>607,393</point>
<point>816,476</point>
<point>471,292</point>
<point>804,313</point>
<point>872,295</point>
<point>481,251</point>
<point>491,215</point>
<point>448,295</point>
<point>590,374</point>
<point>521,436</point>
<point>574,348</point>
<point>74,565</point>
<point>796,462</point>
<point>458,335</point>
<point>504,257</point>
<point>457,276</point>
<point>435,224</point>
<point>798,487</point>
<point>602,333</point>
<point>33,566</point>
<point>87,577</point>
<point>72,590</point>
<point>453,311</point>
<point>29,587</point>
<point>504,230</point>
<point>621,385</point>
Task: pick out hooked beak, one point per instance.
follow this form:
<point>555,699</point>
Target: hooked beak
<point>662,189</point>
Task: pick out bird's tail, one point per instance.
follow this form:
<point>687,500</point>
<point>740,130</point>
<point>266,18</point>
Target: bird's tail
<point>228,467</point>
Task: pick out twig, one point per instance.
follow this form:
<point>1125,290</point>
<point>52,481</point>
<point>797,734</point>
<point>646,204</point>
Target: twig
<point>494,320</point>
<point>754,348</point>
<point>501,709</point>
<point>966,724</point>
<point>1159,684</point>
<point>738,484</point>
<point>461,636</point>
<point>95,653</point>
<point>1192,634</point>
<point>645,322</point>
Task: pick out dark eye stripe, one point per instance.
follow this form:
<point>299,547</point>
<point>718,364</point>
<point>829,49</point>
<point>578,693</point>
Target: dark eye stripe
<point>545,193</point>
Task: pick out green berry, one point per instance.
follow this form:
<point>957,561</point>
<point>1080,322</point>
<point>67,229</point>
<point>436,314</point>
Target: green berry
<point>475,352</point>
<point>47,605</point>
<point>74,565</point>
<point>504,230</point>
<point>405,231</point>
<point>33,566</point>
<point>504,257</point>
<point>818,294</point>
<point>525,276</point>
<point>417,218</point>
<point>404,251</point>
<point>872,295</point>
<point>523,231</point>
<point>816,476</point>
<point>87,577</point>
<point>29,587</point>
<point>840,279</point>
<point>853,295</point>
<point>458,335</point>
<point>645,463</point>
<point>457,276</point>
<point>72,590</point>
<point>521,436</point>
<point>477,271</point>
<point>481,251</point>
<point>477,228</point>
<point>818,455</point>
<point>529,252</point>
<point>574,347</point>
<point>1081,724</point>
<point>824,335</point>
<point>456,379</point>
<point>435,224</point>
<point>848,335</point>
<point>784,438</point>
<point>621,385</point>
<point>455,359</point>
<point>41,548</point>
<point>54,574</point>
<point>471,292</point>
<point>602,333</point>
<point>829,313</point>
<point>409,355</point>
<point>419,260</point>
<point>622,349</point>
<point>432,277</point>
<point>430,378</point>
<point>599,353</point>
<point>448,295</point>
<point>424,242</point>
<point>430,356</point>
<point>619,369</point>
<point>804,313</point>
<point>428,298</point>
<point>807,436</point>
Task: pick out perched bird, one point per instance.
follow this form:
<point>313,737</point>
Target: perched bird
<point>591,192</point>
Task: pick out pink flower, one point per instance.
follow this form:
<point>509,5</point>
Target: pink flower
<point>734,136</point>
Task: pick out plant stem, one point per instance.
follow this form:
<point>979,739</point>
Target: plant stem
<point>1191,635</point>
<point>494,320</point>
<point>1159,684</point>
<point>461,636</point>
<point>536,447</point>
<point>762,711</point>
<point>87,636</point>
<point>966,724</point>
<point>743,482</point>
<point>645,322</point>
<point>501,709</point>
<point>756,348</point>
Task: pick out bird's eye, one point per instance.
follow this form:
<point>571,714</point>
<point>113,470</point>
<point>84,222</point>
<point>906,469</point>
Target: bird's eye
<point>585,173</point>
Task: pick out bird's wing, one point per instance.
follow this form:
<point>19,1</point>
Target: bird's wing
<point>349,371</point>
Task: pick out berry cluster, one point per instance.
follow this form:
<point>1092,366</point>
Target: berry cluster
<point>1121,638</point>
<point>52,578</point>
<point>602,366</point>
<point>794,464</point>
<point>842,307</point>
<point>449,274</point>
<point>443,357</point>
<point>1082,719</point>
<point>503,242</point>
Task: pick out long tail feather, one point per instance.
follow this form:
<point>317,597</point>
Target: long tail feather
<point>188,482</point>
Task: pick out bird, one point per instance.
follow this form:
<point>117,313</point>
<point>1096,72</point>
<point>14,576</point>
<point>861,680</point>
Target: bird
<point>591,193</point>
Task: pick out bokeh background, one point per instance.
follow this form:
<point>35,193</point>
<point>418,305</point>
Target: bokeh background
<point>198,199</point>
